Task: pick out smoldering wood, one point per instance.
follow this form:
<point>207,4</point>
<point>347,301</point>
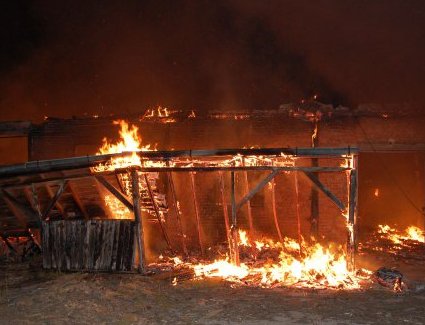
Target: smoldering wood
<point>42,166</point>
<point>325,190</point>
<point>94,245</point>
<point>275,219</point>
<point>157,214</point>
<point>257,188</point>
<point>139,233</point>
<point>54,200</point>
<point>196,208</point>
<point>234,236</point>
<point>177,213</point>
<point>114,191</point>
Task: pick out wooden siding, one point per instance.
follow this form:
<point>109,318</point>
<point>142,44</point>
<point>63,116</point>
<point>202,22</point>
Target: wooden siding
<point>94,245</point>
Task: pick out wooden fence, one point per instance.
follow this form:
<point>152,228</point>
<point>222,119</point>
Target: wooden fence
<point>94,245</point>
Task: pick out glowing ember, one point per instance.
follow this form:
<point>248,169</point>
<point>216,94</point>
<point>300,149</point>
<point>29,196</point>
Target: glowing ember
<point>412,233</point>
<point>266,263</point>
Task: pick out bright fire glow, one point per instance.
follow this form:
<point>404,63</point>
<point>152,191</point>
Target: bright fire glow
<point>412,233</point>
<point>267,263</point>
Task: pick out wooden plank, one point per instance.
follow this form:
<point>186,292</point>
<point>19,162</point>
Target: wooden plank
<point>158,216</point>
<point>114,191</point>
<point>115,243</point>
<point>248,206</point>
<point>77,200</point>
<point>54,200</point>
<point>275,219</point>
<point>198,218</point>
<point>256,189</point>
<point>42,166</point>
<point>22,212</point>
<point>46,249</point>
<point>234,235</point>
<point>139,233</point>
<point>325,190</point>
<point>225,211</point>
<point>174,201</point>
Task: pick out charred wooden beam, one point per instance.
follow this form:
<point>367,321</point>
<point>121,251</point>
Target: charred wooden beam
<point>352,215</point>
<point>34,167</point>
<point>249,210</point>
<point>157,214</point>
<point>22,212</point>
<point>257,188</point>
<point>325,190</point>
<point>115,192</point>
<point>139,233</point>
<point>196,207</point>
<point>54,200</point>
<point>234,235</point>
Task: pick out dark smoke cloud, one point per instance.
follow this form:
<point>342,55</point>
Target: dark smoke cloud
<point>101,57</point>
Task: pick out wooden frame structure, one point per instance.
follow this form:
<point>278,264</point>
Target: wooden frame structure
<point>274,160</point>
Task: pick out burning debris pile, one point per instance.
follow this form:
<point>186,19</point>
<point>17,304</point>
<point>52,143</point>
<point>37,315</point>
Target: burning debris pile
<point>268,264</point>
<point>406,244</point>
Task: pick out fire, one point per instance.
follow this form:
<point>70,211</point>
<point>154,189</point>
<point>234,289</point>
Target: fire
<point>119,210</point>
<point>130,141</point>
<point>267,263</point>
<point>411,233</point>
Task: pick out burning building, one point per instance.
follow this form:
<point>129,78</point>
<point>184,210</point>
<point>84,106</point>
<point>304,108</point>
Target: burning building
<point>286,204</point>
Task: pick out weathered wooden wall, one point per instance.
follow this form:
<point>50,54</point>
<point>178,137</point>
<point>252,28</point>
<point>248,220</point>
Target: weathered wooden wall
<point>94,245</point>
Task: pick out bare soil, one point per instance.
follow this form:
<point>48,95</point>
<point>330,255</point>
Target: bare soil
<point>29,295</point>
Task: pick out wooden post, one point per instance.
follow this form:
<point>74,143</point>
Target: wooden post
<point>225,212</point>
<point>314,217</point>
<point>177,211</point>
<point>298,210</point>
<point>234,253</point>
<point>198,220</point>
<point>352,215</point>
<point>276,222</point>
<point>157,214</point>
<point>139,240</point>
<point>248,205</point>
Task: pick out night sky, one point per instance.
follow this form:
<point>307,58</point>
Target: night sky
<point>65,58</point>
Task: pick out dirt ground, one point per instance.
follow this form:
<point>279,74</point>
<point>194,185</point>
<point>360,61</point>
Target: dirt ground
<point>29,295</point>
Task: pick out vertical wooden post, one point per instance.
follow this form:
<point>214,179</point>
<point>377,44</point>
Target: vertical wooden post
<point>248,204</point>
<point>198,220</point>
<point>276,222</point>
<point>177,211</point>
<point>352,214</point>
<point>234,227</point>
<point>225,212</point>
<point>139,240</point>
<point>314,217</point>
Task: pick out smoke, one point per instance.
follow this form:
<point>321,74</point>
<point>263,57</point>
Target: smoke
<point>91,57</point>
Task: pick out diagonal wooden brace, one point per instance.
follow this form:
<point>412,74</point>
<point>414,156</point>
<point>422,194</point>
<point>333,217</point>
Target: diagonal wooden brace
<point>325,190</point>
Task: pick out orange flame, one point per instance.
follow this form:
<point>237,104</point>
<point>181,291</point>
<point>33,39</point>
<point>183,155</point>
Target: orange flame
<point>411,233</point>
<point>319,266</point>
